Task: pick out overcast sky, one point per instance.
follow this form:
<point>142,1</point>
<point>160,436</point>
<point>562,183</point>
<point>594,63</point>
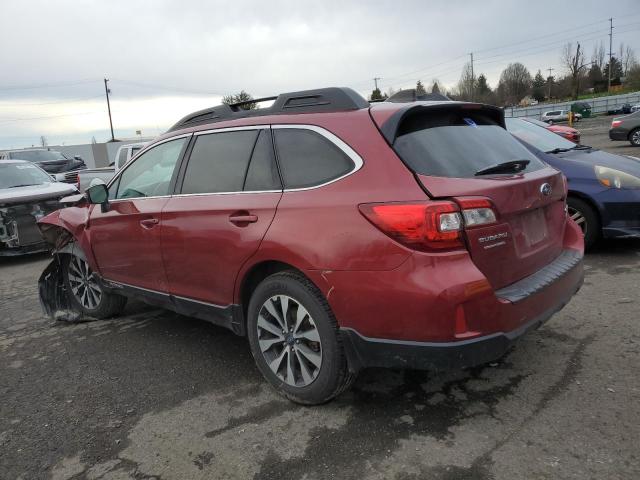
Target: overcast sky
<point>167,58</point>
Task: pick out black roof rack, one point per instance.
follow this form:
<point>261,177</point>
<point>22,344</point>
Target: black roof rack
<point>331,99</point>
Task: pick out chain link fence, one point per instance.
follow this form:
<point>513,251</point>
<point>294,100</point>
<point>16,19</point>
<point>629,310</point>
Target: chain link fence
<point>599,105</point>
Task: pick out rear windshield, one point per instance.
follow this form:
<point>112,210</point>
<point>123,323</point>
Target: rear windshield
<point>457,143</point>
<point>37,155</point>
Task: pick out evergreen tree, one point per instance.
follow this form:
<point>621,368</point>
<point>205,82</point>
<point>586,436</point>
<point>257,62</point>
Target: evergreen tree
<point>376,95</point>
<point>482,86</point>
<point>435,88</point>
<point>420,89</point>
<point>538,87</point>
<point>616,69</point>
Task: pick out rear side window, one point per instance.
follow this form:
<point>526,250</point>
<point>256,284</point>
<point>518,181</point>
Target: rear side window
<point>457,143</point>
<point>219,162</point>
<point>263,172</point>
<point>308,159</point>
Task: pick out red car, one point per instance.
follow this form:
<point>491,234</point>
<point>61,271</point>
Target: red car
<point>567,132</point>
<point>335,235</point>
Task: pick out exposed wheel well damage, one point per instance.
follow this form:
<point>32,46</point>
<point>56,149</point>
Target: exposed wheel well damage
<point>53,294</point>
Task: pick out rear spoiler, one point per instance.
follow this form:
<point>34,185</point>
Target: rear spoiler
<point>389,128</point>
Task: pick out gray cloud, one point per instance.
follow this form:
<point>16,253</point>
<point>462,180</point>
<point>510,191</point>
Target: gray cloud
<point>156,49</point>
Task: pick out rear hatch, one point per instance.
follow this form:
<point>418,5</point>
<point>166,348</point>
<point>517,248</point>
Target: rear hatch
<point>461,152</point>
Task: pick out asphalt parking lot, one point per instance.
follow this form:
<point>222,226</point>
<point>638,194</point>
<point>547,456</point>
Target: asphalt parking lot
<point>595,133</point>
<point>154,395</point>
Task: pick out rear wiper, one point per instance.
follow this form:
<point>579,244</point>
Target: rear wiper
<point>582,147</point>
<point>559,150</point>
<point>513,166</point>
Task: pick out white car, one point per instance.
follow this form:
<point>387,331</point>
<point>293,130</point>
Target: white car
<point>554,116</point>
<point>635,108</point>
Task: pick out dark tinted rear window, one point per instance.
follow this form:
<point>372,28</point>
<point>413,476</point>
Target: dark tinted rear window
<point>307,158</point>
<point>457,143</point>
<point>218,162</point>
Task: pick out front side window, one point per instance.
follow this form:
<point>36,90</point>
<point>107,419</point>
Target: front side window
<point>150,175</point>
<point>309,159</point>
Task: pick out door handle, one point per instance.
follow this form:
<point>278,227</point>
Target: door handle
<point>149,222</point>
<point>243,218</point>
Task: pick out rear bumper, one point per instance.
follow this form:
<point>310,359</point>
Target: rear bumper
<point>363,352</point>
<point>618,134</point>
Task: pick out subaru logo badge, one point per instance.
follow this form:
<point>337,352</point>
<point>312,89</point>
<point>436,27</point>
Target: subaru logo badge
<point>545,189</point>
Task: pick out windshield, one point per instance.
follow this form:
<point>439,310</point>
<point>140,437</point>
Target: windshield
<point>536,122</point>
<point>457,144</point>
<point>539,137</point>
<point>21,174</point>
<point>37,155</point>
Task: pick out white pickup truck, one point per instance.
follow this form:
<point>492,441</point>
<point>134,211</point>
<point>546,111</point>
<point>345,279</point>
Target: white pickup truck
<point>91,176</point>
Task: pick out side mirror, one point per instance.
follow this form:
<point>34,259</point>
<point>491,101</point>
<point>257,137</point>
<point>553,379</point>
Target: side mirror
<point>98,194</point>
<point>77,157</point>
<point>54,178</point>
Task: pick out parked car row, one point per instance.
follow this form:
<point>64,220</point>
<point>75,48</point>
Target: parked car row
<point>27,193</point>
<point>334,234</point>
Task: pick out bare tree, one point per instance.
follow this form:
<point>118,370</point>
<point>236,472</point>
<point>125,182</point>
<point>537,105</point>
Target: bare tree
<point>574,63</point>
<point>240,97</point>
<point>43,141</point>
<point>515,83</point>
<point>465,84</point>
<point>627,58</point>
<point>598,56</point>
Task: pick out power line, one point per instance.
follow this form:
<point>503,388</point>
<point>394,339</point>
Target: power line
<point>71,100</point>
<point>11,120</point>
<point>165,87</point>
<point>47,85</point>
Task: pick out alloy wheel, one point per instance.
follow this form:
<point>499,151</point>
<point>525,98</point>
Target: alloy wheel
<point>289,341</point>
<point>579,218</point>
<point>635,138</point>
<point>83,284</point>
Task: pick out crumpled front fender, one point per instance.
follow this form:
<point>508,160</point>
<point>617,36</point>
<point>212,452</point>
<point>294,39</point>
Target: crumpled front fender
<point>54,296</point>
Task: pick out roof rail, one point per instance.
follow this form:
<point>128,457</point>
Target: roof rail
<point>331,99</point>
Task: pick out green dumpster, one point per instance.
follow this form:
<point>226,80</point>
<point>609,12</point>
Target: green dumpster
<point>583,108</point>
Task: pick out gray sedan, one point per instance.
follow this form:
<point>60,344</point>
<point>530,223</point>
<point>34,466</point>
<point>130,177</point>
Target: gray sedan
<point>626,128</point>
<point>27,193</point>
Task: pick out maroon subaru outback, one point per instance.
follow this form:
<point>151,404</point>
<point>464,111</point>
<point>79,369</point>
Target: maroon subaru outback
<point>335,235</point>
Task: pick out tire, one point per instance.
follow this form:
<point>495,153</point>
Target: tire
<point>587,219</point>
<point>85,293</point>
<point>634,137</point>
<point>305,371</point>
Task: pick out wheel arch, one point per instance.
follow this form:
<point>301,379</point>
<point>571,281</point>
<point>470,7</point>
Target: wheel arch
<point>256,274</point>
<point>592,203</point>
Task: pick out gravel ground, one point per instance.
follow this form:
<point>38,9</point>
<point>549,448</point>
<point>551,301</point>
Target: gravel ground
<point>154,395</point>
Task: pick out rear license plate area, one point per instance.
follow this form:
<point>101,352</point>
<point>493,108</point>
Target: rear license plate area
<point>534,226</point>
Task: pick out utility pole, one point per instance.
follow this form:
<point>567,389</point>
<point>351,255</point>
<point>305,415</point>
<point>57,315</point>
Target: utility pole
<point>610,52</point>
<point>375,80</point>
<point>106,92</point>
<point>472,78</point>
<point>549,80</point>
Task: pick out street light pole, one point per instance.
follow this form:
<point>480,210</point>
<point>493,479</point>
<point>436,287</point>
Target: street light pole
<point>106,92</point>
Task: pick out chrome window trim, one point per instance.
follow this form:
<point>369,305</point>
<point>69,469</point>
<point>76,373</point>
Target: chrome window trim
<point>231,129</point>
<point>337,141</point>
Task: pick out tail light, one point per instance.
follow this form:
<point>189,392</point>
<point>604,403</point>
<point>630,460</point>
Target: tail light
<point>476,211</point>
<point>430,226</point>
<point>421,226</point>
<point>616,123</point>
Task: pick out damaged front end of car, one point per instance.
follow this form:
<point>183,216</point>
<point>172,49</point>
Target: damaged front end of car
<point>56,230</point>
<point>19,233</point>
